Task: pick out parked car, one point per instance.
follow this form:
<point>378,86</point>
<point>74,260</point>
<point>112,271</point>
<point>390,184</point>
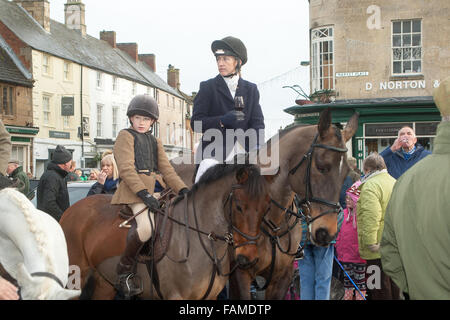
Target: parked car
<point>77,190</point>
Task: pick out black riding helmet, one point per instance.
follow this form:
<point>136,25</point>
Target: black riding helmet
<point>230,46</point>
<point>143,105</point>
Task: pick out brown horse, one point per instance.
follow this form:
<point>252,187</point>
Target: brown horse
<point>196,263</point>
<point>312,164</point>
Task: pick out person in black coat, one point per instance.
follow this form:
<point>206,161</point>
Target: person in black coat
<point>214,106</point>
<point>108,178</point>
<point>52,194</point>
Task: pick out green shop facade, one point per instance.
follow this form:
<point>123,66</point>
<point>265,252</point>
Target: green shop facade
<point>379,120</point>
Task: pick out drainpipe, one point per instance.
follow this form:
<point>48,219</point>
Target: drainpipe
<point>81,110</point>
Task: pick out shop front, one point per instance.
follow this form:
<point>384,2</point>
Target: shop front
<point>379,121</point>
<point>22,145</point>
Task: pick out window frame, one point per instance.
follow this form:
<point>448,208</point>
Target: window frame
<point>7,106</point>
<point>99,80</point>
<point>401,47</point>
<point>46,112</point>
<point>99,123</point>
<point>46,65</point>
<point>318,79</point>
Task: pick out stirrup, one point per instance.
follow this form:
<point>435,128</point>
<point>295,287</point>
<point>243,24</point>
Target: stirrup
<point>126,285</point>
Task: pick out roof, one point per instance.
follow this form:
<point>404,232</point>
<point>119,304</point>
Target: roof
<point>69,44</point>
<point>361,103</point>
<point>11,69</point>
<point>144,70</point>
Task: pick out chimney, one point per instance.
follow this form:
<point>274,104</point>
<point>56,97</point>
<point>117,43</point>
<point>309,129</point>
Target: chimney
<point>39,10</point>
<point>130,48</point>
<point>110,37</point>
<point>173,77</point>
<point>74,13</point>
<point>149,59</point>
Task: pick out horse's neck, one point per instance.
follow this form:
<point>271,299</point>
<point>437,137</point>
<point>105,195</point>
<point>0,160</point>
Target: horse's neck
<point>210,199</point>
<point>280,189</point>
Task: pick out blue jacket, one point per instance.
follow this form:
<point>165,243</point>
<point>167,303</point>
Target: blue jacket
<point>214,100</point>
<point>396,163</point>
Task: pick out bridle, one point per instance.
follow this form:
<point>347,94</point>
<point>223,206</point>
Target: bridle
<point>252,240</point>
<point>300,203</point>
<point>309,198</point>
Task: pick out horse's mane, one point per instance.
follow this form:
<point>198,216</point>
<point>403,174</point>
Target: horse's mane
<point>31,219</point>
<point>255,185</point>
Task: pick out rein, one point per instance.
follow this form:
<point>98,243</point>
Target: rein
<point>228,238</point>
<point>48,275</point>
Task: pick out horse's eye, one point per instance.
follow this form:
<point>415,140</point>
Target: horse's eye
<point>239,208</point>
<point>322,169</point>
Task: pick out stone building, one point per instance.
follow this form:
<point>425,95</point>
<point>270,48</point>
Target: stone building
<point>16,107</point>
<point>382,59</point>
<point>82,85</point>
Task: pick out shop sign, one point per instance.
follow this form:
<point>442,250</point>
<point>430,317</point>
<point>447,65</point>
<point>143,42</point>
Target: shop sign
<point>384,129</point>
<point>67,106</point>
<point>352,74</point>
<point>59,134</point>
<point>403,84</point>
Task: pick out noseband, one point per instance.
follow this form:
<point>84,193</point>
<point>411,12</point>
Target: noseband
<point>309,198</point>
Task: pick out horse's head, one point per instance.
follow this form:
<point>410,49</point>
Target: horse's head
<point>249,202</point>
<point>318,177</point>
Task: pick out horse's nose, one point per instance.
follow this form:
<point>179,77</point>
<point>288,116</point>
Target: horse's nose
<point>323,237</point>
<point>242,260</point>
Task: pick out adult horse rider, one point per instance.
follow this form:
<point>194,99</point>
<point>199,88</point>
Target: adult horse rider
<point>214,112</point>
<point>142,164</point>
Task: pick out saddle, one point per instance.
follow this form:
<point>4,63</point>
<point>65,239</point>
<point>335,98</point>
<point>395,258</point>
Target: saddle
<point>162,233</point>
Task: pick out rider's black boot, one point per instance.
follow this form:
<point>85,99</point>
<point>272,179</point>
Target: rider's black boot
<point>128,283</point>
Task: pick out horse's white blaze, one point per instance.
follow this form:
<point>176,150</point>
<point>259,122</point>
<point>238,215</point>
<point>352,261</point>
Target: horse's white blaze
<point>32,241</point>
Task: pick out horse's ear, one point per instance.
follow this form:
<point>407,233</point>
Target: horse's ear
<point>351,127</point>
<point>242,175</point>
<point>324,122</point>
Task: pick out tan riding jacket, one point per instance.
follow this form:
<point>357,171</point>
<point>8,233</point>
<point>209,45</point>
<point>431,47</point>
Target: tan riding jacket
<point>133,182</point>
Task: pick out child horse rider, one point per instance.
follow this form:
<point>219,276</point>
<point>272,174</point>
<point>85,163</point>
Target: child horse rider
<point>142,164</point>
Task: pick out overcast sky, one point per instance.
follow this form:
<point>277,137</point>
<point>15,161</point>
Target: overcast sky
<point>180,32</point>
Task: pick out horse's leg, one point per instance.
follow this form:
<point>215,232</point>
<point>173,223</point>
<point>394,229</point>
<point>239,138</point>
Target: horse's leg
<point>240,282</point>
<point>103,289</point>
<point>282,278</point>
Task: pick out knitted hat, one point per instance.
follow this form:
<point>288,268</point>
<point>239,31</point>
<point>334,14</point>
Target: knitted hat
<point>61,155</point>
<point>441,96</point>
<point>353,191</point>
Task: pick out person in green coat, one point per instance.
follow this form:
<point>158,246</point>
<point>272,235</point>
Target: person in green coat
<point>375,192</point>
<point>15,172</point>
<point>416,239</point>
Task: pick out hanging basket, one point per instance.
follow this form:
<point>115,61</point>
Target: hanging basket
<point>302,102</point>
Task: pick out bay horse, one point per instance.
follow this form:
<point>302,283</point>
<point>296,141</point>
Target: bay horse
<point>228,203</point>
<point>312,164</point>
<point>33,252</point>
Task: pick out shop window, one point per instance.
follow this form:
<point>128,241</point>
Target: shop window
<point>406,47</point>
<point>322,53</point>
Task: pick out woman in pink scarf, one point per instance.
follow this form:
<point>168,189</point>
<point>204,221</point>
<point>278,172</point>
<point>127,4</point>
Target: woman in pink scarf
<point>347,250</point>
